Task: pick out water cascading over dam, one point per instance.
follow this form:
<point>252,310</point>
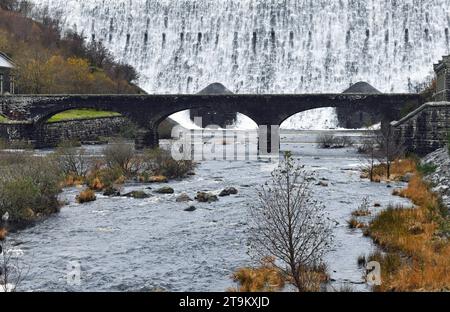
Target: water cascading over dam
<point>267,46</point>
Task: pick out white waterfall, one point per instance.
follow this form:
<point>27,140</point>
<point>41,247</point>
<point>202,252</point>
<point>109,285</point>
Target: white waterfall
<point>268,46</point>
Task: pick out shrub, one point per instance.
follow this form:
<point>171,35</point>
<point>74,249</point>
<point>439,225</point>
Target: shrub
<point>105,178</point>
<point>353,223</point>
<point>331,141</point>
<point>29,189</point>
<point>160,163</point>
<point>426,169</point>
<point>121,155</point>
<point>363,210</point>
<point>72,160</point>
<point>86,196</point>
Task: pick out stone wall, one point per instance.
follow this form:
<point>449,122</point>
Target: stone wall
<point>425,130</point>
<point>15,131</point>
<point>52,134</point>
<point>82,130</point>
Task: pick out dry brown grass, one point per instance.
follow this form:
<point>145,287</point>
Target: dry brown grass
<point>71,181</point>
<point>413,234</point>
<point>399,168</point>
<point>266,278</point>
<point>97,184</point>
<point>3,233</point>
<point>86,196</point>
<point>353,223</point>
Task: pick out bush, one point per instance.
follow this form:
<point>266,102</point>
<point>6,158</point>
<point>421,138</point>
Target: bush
<point>122,156</point>
<point>72,160</point>
<point>161,163</point>
<point>105,178</point>
<point>363,209</point>
<point>331,141</point>
<point>29,189</point>
<point>86,196</point>
<point>426,169</point>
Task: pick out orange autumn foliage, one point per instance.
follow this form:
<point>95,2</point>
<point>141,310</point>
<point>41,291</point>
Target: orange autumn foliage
<point>413,234</point>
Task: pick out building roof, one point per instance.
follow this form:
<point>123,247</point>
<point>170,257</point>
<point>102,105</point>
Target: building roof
<point>5,61</point>
<point>215,88</point>
<point>362,87</point>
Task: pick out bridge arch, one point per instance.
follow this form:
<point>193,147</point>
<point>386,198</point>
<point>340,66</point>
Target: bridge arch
<point>324,116</point>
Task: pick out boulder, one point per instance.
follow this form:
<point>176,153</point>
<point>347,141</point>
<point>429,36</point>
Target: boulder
<point>228,191</point>
<point>165,190</point>
<point>137,195</point>
<point>322,183</point>
<point>183,198</point>
<point>190,209</point>
<point>111,192</point>
<point>204,197</point>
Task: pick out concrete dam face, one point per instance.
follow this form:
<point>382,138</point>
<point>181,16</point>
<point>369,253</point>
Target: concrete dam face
<point>263,46</point>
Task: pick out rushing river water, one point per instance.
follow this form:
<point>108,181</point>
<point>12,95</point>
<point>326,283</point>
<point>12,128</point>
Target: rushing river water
<point>125,244</point>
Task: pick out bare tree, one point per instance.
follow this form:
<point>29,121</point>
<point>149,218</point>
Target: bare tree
<point>123,156</point>
<point>370,153</point>
<point>290,225</point>
<point>72,160</point>
<point>381,147</point>
<point>11,271</point>
<point>390,147</point>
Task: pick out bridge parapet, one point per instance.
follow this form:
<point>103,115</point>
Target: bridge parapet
<point>425,129</point>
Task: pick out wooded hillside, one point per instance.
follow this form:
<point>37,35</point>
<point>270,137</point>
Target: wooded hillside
<point>49,63</point>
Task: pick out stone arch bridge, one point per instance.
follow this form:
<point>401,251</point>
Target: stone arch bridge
<point>148,111</point>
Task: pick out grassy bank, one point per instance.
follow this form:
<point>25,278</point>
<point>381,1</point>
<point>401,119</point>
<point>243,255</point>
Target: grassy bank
<point>81,114</point>
<point>415,240</point>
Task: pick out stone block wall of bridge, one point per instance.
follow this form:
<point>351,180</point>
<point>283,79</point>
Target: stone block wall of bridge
<point>426,129</point>
<point>148,111</point>
<point>52,134</point>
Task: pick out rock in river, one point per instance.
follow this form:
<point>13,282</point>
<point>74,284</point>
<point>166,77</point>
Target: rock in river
<point>111,192</point>
<point>165,190</point>
<point>183,198</point>
<point>190,209</point>
<point>228,191</point>
<point>137,195</point>
<point>204,197</point>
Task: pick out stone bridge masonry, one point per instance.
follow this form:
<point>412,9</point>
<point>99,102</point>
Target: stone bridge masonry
<point>148,111</point>
<point>426,129</point>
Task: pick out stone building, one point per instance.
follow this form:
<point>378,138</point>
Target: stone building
<point>442,70</point>
<point>7,83</point>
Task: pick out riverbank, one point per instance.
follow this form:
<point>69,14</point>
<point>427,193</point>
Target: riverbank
<point>414,240</point>
<point>128,244</point>
<point>30,184</point>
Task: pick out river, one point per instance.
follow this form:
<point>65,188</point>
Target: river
<point>125,244</point>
